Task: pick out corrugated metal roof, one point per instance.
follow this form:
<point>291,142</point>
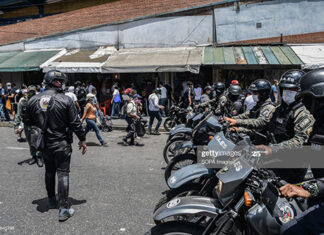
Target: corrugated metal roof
<point>251,55</point>
<point>24,61</point>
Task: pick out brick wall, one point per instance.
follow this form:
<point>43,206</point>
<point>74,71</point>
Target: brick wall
<point>106,13</point>
<point>317,37</point>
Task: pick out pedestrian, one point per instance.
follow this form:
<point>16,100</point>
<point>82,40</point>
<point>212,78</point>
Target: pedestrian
<point>274,94</point>
<point>249,102</point>
<point>71,94</point>
<point>90,87</point>
<point>148,92</point>
<point>22,104</point>
<point>90,115</point>
<point>154,111</point>
<point>2,102</point>
<point>115,101</point>
<point>57,117</point>
<point>10,99</point>
<point>131,118</point>
<point>188,95</point>
<point>198,92</point>
<point>18,124</point>
<point>164,98</point>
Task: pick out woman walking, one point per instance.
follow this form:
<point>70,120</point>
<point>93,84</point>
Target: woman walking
<point>90,116</point>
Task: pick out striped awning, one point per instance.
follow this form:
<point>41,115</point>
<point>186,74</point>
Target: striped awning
<point>250,55</point>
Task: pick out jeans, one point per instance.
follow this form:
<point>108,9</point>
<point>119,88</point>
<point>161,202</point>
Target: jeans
<point>163,102</point>
<point>115,106</point>
<point>2,114</point>
<point>157,115</point>
<point>91,124</point>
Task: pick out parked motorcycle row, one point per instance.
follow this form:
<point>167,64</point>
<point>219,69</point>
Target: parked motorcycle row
<point>237,198</point>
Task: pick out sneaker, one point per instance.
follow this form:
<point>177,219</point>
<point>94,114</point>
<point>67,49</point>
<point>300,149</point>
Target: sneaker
<point>104,143</point>
<point>52,203</point>
<point>125,141</point>
<point>65,214</point>
<point>157,133</point>
<point>149,133</point>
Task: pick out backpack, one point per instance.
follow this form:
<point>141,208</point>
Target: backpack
<point>82,94</point>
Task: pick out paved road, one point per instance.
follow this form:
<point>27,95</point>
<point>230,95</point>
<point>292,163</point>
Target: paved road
<point>113,189</point>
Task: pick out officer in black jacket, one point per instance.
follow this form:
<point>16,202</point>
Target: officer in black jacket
<point>311,221</point>
<point>56,115</point>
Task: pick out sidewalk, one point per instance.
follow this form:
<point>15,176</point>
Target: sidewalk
<point>118,124</point>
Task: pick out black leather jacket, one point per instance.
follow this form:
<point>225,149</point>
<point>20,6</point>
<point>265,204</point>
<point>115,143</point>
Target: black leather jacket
<point>63,117</point>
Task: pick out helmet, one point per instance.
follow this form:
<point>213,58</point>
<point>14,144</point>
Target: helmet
<point>208,88</point>
<point>219,87</point>
<point>263,87</point>
<point>235,90</point>
<point>52,75</point>
<point>234,82</point>
<point>291,78</point>
<point>312,84</point>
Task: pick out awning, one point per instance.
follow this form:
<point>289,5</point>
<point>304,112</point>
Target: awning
<point>79,61</point>
<point>250,55</point>
<point>25,60</point>
<point>311,55</point>
<point>140,60</point>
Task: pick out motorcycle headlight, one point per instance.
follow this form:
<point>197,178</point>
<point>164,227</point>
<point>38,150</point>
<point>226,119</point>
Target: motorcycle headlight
<point>219,187</point>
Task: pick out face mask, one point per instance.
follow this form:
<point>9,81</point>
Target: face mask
<point>63,86</point>
<point>9,87</point>
<point>288,96</point>
<point>255,98</point>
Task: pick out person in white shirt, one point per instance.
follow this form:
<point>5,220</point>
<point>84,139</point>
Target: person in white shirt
<point>71,94</point>
<point>115,101</point>
<point>249,103</point>
<point>154,111</point>
<point>164,98</point>
<point>198,92</point>
<point>90,87</point>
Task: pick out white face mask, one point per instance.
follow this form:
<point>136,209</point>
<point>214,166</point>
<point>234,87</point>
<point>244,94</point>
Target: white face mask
<point>289,96</point>
<point>255,98</point>
<point>63,86</point>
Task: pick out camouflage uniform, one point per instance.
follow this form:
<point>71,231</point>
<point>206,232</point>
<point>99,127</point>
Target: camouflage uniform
<point>256,119</point>
<point>221,102</point>
<point>27,129</point>
<point>297,132</point>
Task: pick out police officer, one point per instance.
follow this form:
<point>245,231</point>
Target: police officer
<point>291,123</point>
<point>260,115</point>
<point>310,221</point>
<point>36,158</point>
<point>55,114</point>
<point>219,89</point>
<point>230,103</point>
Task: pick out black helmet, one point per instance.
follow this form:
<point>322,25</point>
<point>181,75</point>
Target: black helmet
<point>312,84</point>
<point>52,75</point>
<point>291,79</point>
<point>208,88</point>
<point>235,90</point>
<point>263,87</point>
<point>219,87</point>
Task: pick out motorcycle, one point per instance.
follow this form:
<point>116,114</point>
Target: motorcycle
<point>246,200</point>
<point>177,116</point>
<point>179,135</point>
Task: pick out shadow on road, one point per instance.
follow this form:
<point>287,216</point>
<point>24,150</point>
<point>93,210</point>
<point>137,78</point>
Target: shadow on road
<point>42,203</point>
<point>92,144</point>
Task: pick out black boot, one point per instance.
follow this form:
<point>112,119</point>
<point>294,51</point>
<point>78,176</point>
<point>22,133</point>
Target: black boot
<point>39,162</point>
<point>32,161</point>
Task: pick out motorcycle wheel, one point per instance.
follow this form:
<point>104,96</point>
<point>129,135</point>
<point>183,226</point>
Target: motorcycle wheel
<point>169,124</point>
<point>176,228</point>
<point>182,191</point>
<point>169,151</point>
<point>178,162</point>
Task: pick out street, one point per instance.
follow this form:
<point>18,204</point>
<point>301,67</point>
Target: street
<point>113,189</point>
